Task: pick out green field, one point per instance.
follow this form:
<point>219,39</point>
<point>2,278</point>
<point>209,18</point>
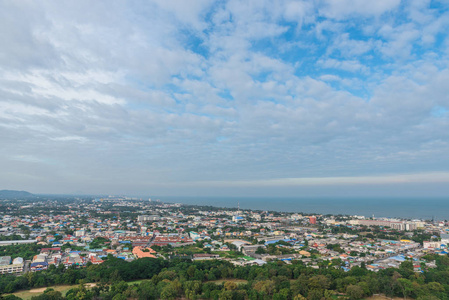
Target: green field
<point>26,295</point>
<point>137,281</point>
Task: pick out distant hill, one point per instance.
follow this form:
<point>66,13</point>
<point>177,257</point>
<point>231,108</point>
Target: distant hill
<point>14,194</point>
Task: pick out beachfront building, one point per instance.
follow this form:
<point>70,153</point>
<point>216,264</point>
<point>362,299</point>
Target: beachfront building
<point>398,225</point>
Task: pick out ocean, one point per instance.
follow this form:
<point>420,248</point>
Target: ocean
<point>406,208</point>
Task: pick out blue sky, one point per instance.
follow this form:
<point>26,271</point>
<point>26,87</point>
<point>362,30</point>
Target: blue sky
<point>292,98</point>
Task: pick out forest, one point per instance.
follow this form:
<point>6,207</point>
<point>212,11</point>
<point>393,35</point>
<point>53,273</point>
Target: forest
<point>218,279</point>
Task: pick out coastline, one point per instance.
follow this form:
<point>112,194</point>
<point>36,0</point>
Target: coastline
<point>404,208</point>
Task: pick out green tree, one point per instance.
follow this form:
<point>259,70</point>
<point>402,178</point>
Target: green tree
<point>168,293</point>
<point>354,292</point>
<point>406,286</point>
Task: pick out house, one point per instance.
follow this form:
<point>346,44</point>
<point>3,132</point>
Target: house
<point>205,256</point>
<point>38,266</point>
<point>141,252</point>
<point>74,259</point>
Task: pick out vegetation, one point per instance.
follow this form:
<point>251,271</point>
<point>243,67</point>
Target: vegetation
<point>26,251</point>
<point>216,279</point>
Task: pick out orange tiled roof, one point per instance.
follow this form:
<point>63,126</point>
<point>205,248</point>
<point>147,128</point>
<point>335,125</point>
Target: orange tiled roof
<point>138,251</point>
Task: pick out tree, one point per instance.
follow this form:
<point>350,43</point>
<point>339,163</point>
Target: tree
<point>260,250</point>
<point>265,286</point>
<point>168,293</point>
<point>10,297</point>
<point>226,295</point>
<point>230,285</point>
<point>315,294</point>
<point>79,293</point>
<point>319,282</point>
<point>354,292</point>
<point>191,271</point>
<point>428,297</point>
<point>406,286</point>
<point>406,268</point>
<point>192,288</point>
<point>119,297</point>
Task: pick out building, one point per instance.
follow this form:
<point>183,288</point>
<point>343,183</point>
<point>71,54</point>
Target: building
<point>74,259</point>
<point>5,260</point>
<point>146,218</point>
<point>172,240</point>
<point>194,235</point>
<point>240,244</point>
<point>312,220</point>
<point>94,259</point>
<point>6,267</point>
<point>17,242</point>
<point>141,252</point>
<point>444,239</point>
<point>398,225</point>
<point>205,256</point>
<point>38,266</point>
<point>80,233</point>
<point>237,218</point>
<point>431,245</point>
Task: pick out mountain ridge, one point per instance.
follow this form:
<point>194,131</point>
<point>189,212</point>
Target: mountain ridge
<point>15,194</point>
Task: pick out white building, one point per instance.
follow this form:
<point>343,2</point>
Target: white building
<point>6,267</point>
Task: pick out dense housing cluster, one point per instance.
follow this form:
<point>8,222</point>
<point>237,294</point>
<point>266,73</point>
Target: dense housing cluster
<point>48,233</point>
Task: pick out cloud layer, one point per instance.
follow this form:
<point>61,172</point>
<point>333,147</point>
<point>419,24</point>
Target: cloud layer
<point>143,97</point>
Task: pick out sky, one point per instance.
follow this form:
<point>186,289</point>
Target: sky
<point>243,98</point>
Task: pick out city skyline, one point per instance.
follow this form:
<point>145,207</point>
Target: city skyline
<point>235,98</point>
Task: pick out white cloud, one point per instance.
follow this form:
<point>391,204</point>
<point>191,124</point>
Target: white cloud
<point>340,9</point>
<point>222,92</point>
<point>434,177</point>
<point>347,65</point>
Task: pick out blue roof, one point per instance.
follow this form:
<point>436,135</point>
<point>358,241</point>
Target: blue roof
<point>39,264</point>
<point>275,241</point>
<point>398,258</point>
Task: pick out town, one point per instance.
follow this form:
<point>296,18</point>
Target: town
<point>83,231</point>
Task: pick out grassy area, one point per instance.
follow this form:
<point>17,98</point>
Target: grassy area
<point>137,281</point>
<point>27,294</point>
<point>188,250</point>
<point>229,254</point>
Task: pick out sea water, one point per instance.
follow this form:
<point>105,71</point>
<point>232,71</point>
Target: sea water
<point>407,208</point>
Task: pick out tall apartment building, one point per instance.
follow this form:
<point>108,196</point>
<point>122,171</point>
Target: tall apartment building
<point>145,218</point>
<point>6,267</point>
<point>398,225</point>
